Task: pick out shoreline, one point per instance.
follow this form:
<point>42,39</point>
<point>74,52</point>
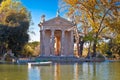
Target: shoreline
<point>57,59</point>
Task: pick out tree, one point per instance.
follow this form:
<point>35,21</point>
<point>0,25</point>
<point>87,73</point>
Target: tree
<point>36,47</point>
<point>116,45</point>
<point>14,25</point>
<point>27,51</point>
<point>31,49</point>
<point>89,39</point>
<point>100,15</point>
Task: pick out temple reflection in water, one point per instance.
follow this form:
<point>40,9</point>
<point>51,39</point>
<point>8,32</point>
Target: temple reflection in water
<point>84,71</point>
<point>55,72</point>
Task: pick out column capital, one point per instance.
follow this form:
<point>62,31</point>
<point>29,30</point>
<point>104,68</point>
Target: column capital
<point>53,30</point>
<point>52,33</point>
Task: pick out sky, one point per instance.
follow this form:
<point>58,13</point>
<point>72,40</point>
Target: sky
<point>37,9</point>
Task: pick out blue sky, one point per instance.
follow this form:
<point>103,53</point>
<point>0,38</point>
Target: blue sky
<point>38,8</point>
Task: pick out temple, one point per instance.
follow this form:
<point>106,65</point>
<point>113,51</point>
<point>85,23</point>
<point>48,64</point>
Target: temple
<point>56,37</point>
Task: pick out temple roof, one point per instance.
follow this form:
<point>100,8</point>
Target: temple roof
<point>58,21</point>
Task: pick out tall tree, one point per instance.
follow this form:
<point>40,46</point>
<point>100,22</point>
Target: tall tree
<point>14,25</point>
<point>99,15</point>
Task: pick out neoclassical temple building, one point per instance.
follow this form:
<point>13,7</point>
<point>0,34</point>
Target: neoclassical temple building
<point>56,37</point>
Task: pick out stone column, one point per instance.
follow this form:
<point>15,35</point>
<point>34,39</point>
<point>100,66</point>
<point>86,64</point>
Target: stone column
<point>43,43</point>
<point>52,42</point>
<point>72,44</point>
<point>57,46</point>
<point>62,43</point>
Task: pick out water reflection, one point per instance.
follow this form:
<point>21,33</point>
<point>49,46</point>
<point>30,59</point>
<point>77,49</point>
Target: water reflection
<point>13,72</point>
<point>47,72</point>
<point>76,71</point>
<point>34,73</point>
<point>84,71</point>
<point>57,72</point>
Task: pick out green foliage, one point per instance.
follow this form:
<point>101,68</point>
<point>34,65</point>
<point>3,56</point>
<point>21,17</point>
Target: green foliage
<point>34,44</point>
<point>14,25</point>
<point>27,50</point>
<point>36,47</point>
<point>31,49</point>
<point>89,37</point>
<point>15,37</point>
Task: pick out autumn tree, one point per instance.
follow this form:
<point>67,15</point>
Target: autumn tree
<point>100,15</point>
<point>15,21</point>
<point>115,47</point>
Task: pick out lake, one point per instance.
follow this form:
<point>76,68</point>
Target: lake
<point>83,71</point>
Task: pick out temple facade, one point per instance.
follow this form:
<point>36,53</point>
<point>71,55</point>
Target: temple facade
<point>56,37</point>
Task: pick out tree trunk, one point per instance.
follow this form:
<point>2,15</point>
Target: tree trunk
<point>77,37</point>
<point>94,49</point>
<point>89,50</point>
<point>81,47</point>
<point>94,46</point>
<point>78,51</point>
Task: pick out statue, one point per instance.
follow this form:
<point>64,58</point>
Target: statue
<point>42,19</point>
<point>57,15</point>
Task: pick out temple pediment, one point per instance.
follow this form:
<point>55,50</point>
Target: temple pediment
<point>58,21</point>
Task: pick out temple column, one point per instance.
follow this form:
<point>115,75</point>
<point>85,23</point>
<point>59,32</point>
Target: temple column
<point>62,43</point>
<point>52,42</point>
<point>42,45</point>
<point>72,44</point>
<point>58,46</point>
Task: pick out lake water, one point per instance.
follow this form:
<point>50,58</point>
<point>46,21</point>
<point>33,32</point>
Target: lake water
<point>83,71</point>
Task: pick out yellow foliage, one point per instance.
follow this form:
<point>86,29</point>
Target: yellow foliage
<point>95,12</point>
<point>100,15</point>
<point>13,13</point>
<point>4,5</point>
<point>71,2</point>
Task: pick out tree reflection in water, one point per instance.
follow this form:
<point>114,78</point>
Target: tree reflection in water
<point>76,71</point>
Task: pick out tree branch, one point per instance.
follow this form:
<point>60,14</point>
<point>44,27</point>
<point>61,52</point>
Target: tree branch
<point>99,30</point>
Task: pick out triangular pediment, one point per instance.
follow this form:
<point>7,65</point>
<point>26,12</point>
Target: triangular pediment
<point>58,21</point>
